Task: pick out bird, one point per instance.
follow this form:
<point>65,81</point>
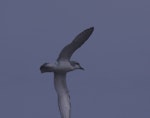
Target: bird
<point>62,66</point>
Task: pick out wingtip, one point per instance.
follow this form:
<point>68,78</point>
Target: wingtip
<point>91,29</point>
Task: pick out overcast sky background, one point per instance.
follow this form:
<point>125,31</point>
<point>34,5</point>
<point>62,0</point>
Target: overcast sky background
<point>116,58</point>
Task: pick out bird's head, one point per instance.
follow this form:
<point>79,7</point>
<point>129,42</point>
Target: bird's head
<point>76,65</point>
<point>46,67</point>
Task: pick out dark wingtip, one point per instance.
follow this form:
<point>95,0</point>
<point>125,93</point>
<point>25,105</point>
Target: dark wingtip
<point>91,28</point>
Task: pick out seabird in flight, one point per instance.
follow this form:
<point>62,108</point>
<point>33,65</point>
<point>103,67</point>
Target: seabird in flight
<point>63,65</point>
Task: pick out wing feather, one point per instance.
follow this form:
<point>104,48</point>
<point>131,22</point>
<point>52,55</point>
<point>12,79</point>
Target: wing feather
<point>79,40</point>
<point>63,94</point>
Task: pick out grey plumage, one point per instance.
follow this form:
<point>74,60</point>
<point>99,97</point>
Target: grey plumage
<point>79,40</point>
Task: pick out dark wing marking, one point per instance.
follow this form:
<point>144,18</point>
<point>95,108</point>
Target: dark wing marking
<point>79,40</point>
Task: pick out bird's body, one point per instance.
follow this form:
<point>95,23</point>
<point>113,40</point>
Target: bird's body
<point>60,69</point>
<point>61,66</point>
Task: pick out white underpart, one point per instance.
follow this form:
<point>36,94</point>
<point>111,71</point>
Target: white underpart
<point>63,95</point>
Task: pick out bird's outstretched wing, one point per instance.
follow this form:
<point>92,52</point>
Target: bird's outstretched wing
<point>63,94</point>
<point>68,50</point>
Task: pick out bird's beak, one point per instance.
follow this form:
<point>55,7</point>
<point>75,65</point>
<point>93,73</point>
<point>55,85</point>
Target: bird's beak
<point>81,68</point>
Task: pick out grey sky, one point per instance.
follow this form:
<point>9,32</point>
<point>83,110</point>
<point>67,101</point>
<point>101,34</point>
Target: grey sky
<point>116,82</point>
